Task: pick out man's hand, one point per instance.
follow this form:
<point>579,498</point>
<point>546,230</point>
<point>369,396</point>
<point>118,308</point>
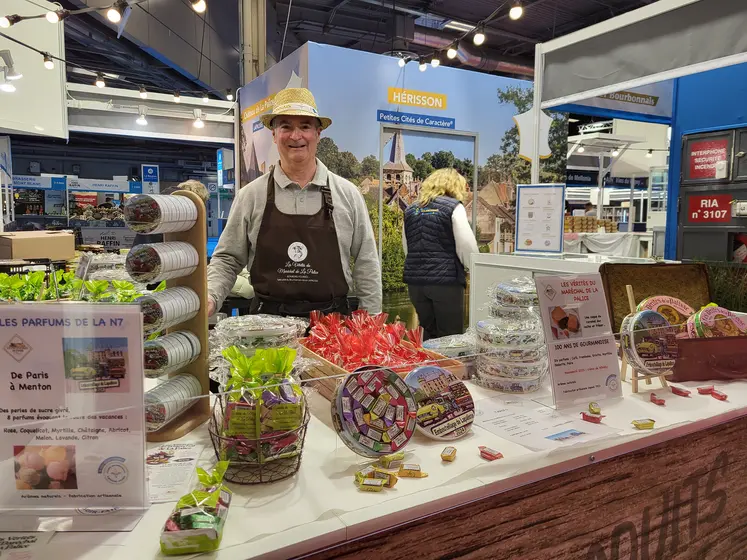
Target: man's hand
<point>211,307</point>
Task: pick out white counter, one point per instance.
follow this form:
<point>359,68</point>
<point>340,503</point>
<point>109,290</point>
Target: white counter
<point>320,506</point>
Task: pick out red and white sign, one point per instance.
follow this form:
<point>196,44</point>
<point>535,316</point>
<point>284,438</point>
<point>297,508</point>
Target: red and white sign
<point>708,158</point>
<point>709,208</point>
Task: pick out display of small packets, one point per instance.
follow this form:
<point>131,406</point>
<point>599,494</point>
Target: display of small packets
<point>170,353</point>
<point>374,412</point>
<point>160,213</point>
<point>649,341</point>
<point>154,262</point>
<point>168,400</point>
<point>712,321</point>
<point>445,407</point>
<point>162,310</point>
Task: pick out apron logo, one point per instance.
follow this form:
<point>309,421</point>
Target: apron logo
<point>297,251</point>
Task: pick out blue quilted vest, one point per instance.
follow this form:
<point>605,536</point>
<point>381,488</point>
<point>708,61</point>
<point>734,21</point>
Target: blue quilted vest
<point>431,250</point>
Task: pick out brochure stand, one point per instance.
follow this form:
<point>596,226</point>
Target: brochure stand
<point>199,412</point>
<point>636,374</point>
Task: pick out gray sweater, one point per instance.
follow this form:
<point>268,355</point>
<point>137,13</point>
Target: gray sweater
<point>236,247</point>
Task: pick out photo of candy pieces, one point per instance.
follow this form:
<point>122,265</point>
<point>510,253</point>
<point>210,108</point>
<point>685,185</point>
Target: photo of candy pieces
<point>45,467</point>
<point>565,322</point>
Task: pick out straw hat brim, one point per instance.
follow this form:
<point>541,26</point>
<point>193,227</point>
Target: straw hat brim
<point>266,119</point>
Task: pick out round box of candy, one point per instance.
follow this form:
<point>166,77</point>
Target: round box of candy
<point>252,332</point>
<point>675,311</point>
<point>374,412</point>
<point>513,354</point>
<point>513,313</point>
<point>445,407</point>
<point>711,322</point>
<point>519,292</point>
<point>452,346</point>
<point>649,341</point>
<point>488,365</point>
<point>507,384</point>
<point>154,262</point>
<point>502,332</point>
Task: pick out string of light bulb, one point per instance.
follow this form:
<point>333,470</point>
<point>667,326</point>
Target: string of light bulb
<point>478,38</point>
<point>100,77</point>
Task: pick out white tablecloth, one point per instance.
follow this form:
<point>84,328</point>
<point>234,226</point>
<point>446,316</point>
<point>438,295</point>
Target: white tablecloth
<point>615,244</point>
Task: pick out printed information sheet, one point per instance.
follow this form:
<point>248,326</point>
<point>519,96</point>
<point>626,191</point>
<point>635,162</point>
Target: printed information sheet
<point>536,427</point>
<point>581,346</point>
<point>539,218</point>
<point>71,406</point>
<point>170,470</point>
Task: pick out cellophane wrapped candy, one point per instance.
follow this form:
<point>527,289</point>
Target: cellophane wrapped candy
<point>263,407</point>
<point>362,339</point>
<point>196,524</point>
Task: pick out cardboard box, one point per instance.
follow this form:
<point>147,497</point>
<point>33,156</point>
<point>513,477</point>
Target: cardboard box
<point>55,245</point>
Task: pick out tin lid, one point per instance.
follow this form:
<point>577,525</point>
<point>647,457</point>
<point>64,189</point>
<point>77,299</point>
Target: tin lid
<point>649,341</point>
<point>445,409</point>
<point>712,322</point>
<point>674,310</point>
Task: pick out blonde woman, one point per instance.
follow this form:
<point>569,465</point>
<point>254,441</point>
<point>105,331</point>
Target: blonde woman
<point>438,241</point>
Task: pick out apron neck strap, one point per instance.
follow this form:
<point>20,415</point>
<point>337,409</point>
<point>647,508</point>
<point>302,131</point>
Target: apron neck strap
<point>325,190</point>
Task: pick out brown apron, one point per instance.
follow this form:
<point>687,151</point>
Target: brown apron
<point>297,267</point>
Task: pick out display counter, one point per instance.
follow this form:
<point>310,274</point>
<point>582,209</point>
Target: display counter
<point>676,488</point>
<point>619,244</point>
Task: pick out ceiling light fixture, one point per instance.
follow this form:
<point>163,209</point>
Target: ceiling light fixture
<point>516,11</point>
<point>141,120</point>
<point>436,60</point>
<point>48,61</point>
<point>177,97</point>
<point>9,21</point>
<point>199,6</point>
<point>479,37</point>
<point>206,98</point>
<point>581,150</point>
<point>100,83</point>
<point>114,14</point>
<point>451,53</point>
<point>650,154</point>
<point>143,93</point>
<point>229,95</point>
<point>422,65</point>
<point>401,62</point>
<point>53,17</point>
<point>615,152</point>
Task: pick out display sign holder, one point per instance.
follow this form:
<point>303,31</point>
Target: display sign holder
<point>539,218</point>
<point>637,375</point>
<point>72,413</point>
<point>199,412</point>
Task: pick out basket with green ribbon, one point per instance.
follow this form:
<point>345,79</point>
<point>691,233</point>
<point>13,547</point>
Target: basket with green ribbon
<point>196,524</point>
<point>259,421</point>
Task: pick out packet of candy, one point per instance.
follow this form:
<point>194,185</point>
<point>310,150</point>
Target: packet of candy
<point>196,524</point>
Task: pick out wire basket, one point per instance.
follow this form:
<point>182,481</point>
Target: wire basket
<point>265,459</point>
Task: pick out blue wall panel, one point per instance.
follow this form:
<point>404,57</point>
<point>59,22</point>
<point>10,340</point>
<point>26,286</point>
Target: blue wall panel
<point>704,102</point>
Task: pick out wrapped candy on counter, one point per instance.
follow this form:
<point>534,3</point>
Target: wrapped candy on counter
<point>196,524</point>
<point>362,339</point>
<point>264,407</point>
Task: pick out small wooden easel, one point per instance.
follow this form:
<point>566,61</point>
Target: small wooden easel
<point>638,375</point>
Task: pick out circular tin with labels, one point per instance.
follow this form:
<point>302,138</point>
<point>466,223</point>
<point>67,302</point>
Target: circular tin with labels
<point>374,411</point>
<point>649,341</point>
<point>445,407</point>
<point>674,310</point>
<point>712,322</point>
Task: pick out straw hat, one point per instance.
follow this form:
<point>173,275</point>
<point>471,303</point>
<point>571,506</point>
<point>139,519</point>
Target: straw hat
<point>294,101</point>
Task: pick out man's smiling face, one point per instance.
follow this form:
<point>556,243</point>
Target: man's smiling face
<point>296,137</point>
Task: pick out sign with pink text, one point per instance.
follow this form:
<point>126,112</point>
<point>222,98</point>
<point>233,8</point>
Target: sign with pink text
<point>580,342</point>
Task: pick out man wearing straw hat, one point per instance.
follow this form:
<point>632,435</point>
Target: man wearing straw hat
<point>303,232</point>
